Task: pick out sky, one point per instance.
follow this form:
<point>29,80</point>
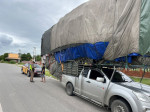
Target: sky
<point>22,22</point>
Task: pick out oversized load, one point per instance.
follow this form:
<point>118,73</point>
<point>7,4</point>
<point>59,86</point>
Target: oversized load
<point>101,29</point>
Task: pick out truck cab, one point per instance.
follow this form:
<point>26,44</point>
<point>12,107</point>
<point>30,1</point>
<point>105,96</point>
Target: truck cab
<point>120,93</point>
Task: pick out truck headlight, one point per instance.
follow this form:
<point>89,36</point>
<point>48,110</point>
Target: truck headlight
<point>141,96</point>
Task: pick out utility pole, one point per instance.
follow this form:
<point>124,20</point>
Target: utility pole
<point>34,53</point>
<point>19,55</point>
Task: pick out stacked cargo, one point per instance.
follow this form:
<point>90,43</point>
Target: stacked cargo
<point>101,30</point>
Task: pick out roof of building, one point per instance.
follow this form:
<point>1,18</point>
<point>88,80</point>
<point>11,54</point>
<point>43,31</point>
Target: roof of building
<point>13,56</point>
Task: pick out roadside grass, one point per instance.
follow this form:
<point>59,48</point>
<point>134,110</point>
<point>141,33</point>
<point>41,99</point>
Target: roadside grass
<point>12,62</point>
<point>47,73</point>
<point>19,64</point>
<point>144,81</point>
<point>2,61</point>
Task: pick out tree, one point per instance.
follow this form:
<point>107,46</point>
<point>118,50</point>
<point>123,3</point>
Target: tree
<point>5,56</point>
<point>1,57</point>
<point>26,57</point>
<point>29,57</point>
<point>38,58</point>
<point>23,57</point>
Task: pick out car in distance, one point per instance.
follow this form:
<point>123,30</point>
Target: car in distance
<point>26,69</point>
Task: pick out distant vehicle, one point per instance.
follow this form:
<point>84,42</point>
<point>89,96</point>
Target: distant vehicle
<point>26,69</point>
<point>122,94</point>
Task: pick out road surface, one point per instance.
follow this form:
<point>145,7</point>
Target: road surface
<point>17,94</point>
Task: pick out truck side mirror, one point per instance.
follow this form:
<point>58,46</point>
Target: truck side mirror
<point>100,79</point>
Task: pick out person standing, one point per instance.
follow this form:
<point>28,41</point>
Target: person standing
<point>43,73</point>
<point>32,71</point>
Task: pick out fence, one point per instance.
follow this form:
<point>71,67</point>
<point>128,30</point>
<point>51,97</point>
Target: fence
<point>137,72</point>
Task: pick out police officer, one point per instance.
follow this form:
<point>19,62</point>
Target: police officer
<point>32,71</point>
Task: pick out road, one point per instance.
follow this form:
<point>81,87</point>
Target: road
<point>17,94</point>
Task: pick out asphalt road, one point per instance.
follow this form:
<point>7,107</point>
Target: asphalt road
<point>17,94</point>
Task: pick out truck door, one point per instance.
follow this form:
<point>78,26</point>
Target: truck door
<point>82,82</point>
<point>95,89</point>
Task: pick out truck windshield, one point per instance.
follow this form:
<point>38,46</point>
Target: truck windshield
<point>118,76</point>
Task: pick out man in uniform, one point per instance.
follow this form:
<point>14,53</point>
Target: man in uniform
<point>32,71</point>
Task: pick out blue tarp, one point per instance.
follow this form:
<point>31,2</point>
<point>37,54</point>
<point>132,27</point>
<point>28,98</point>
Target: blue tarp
<point>92,51</point>
<point>129,58</point>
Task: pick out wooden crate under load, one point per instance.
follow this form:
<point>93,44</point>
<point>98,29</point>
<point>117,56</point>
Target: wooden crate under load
<point>73,68</point>
<point>70,68</point>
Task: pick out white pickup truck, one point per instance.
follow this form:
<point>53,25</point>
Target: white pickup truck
<point>110,88</point>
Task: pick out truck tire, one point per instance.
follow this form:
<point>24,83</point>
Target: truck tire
<point>69,89</point>
<point>28,74</point>
<point>120,106</point>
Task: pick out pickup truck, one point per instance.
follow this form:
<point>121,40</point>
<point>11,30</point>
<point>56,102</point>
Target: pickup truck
<point>109,88</point>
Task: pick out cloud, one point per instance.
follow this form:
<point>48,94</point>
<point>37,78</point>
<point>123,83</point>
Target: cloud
<point>10,43</point>
<point>24,21</point>
<point>4,40</point>
<point>11,40</point>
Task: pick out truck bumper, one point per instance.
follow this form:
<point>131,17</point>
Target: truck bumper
<point>144,107</point>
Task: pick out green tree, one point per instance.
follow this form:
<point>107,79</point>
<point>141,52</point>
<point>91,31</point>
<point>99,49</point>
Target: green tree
<point>5,56</point>
<point>1,57</point>
<point>26,57</point>
<point>29,57</point>
<point>23,57</point>
<point>38,58</point>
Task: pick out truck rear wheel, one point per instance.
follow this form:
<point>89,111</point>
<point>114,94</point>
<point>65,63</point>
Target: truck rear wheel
<point>69,89</point>
<point>120,106</point>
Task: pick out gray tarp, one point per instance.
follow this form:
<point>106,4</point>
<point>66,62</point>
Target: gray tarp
<point>45,42</point>
<point>114,21</point>
<point>145,28</point>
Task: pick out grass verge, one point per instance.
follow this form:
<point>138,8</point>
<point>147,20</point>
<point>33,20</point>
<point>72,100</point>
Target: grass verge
<point>19,64</point>
<point>47,73</point>
<point>144,81</point>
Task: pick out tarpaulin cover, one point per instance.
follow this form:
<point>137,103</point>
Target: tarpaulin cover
<point>92,51</point>
<point>45,42</point>
<point>129,58</point>
<point>145,27</point>
<point>113,21</point>
<point>123,23</point>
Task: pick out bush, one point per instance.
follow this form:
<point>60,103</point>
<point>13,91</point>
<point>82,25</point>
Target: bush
<point>2,61</point>
<point>21,63</point>
<point>12,62</point>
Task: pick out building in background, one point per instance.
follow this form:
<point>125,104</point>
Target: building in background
<point>14,57</point>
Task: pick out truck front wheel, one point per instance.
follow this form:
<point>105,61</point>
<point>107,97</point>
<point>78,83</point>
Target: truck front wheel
<point>69,89</point>
<point>120,106</point>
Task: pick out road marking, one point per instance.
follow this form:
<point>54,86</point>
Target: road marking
<point>1,108</point>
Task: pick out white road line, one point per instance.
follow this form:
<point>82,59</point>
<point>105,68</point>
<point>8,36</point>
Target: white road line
<point>1,108</point>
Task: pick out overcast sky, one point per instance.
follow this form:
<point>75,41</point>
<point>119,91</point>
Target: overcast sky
<point>22,22</point>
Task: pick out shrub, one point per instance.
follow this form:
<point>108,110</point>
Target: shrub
<point>2,61</point>
<point>21,63</point>
<point>12,62</point>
